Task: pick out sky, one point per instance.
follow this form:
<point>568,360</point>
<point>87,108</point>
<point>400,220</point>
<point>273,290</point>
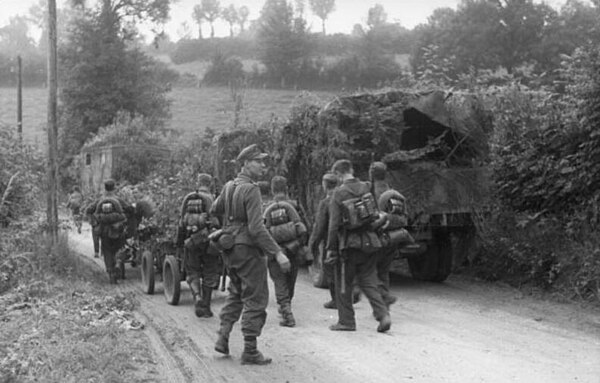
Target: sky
<point>347,13</point>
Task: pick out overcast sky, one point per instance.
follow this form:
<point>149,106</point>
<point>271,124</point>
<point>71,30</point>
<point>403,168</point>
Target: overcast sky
<point>347,13</point>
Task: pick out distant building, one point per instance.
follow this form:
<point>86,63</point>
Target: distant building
<point>99,163</point>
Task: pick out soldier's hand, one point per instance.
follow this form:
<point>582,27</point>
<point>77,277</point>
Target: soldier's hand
<point>283,262</point>
<point>331,257</point>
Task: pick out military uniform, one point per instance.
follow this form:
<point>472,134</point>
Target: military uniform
<point>285,283</point>
<point>95,225</point>
<point>201,262</point>
<point>110,246</point>
<point>357,263</point>
<point>318,235</point>
<point>240,206</point>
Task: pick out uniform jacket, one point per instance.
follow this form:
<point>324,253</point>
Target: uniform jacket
<point>319,231</point>
<point>246,214</point>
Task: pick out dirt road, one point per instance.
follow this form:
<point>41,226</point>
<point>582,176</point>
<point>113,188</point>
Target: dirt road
<point>458,331</point>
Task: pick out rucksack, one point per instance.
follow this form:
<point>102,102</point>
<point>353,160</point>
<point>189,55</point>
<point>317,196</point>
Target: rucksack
<point>358,212</point>
<point>109,214</point>
<point>193,219</point>
<point>280,225</point>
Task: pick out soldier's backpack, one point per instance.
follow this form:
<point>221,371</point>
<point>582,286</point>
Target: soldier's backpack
<point>279,223</point>
<point>394,203</point>
<point>194,220</point>
<point>359,212</point>
<point>111,218</point>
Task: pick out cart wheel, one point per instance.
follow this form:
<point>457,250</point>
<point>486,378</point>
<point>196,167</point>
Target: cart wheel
<point>171,280</point>
<point>147,270</point>
<point>121,268</point>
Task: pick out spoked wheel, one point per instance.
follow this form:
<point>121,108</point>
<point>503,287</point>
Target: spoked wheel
<point>147,270</point>
<point>171,280</point>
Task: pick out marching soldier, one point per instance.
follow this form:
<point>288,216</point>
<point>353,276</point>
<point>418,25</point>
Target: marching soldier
<point>286,227</point>
<point>351,245</point>
<point>246,245</point>
<point>201,263</point>
<point>319,234</point>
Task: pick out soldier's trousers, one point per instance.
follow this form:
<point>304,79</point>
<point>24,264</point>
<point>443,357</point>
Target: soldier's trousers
<point>109,250</point>
<point>363,267</point>
<point>384,263</point>
<point>285,283</point>
<point>96,238</point>
<point>200,264</point>
<point>248,290</point>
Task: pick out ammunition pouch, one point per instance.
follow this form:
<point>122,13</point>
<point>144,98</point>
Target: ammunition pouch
<point>397,237</point>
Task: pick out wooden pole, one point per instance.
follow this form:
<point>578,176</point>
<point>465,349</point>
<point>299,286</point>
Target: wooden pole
<point>19,99</point>
<point>52,169</point>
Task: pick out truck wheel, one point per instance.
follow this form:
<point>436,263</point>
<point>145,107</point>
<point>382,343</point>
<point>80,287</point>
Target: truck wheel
<point>171,280</point>
<point>147,270</point>
<point>435,264</point>
<point>316,271</point>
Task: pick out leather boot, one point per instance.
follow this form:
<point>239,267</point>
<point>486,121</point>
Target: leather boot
<point>203,305</point>
<point>251,355</point>
<point>331,304</point>
<point>222,344</point>
<point>384,324</point>
<point>287,318</point>
<point>196,290</point>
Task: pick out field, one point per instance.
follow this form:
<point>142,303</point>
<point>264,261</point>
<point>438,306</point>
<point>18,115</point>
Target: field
<point>193,109</point>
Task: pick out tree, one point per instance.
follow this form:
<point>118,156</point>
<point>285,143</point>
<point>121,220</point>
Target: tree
<point>209,10</point>
<point>243,14</point>
<point>322,8</point>
<point>101,76</point>
<point>376,16</point>
<point>282,39</point>
<point>230,15</point>
<point>198,16</point>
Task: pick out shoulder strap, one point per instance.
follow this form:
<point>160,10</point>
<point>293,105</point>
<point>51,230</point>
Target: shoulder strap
<point>229,192</point>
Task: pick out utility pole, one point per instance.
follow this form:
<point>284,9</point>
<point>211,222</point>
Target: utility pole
<point>19,99</point>
<point>52,170</point>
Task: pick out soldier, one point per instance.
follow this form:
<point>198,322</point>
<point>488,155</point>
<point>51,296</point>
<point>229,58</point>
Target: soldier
<point>286,227</point>
<point>350,246</point>
<point>111,213</point>
<point>392,203</point>
<point>74,203</point>
<point>201,263</point>
<point>319,233</point>
<point>246,244</point>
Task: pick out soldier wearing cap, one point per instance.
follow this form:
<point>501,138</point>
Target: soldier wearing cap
<point>201,262</point>
<point>319,233</point>
<point>395,219</point>
<point>240,206</point>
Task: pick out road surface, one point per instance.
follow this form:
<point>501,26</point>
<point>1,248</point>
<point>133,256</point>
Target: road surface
<point>458,331</point>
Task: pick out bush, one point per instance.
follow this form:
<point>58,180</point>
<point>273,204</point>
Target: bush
<point>224,70</point>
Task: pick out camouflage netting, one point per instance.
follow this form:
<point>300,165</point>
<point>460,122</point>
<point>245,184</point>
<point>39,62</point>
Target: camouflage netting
<point>427,139</point>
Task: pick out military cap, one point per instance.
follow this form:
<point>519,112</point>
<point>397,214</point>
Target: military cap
<point>251,152</point>
<point>329,177</point>
<point>377,170</point>
<point>204,179</point>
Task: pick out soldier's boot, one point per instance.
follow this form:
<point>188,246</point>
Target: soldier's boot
<point>222,344</point>
<point>389,300</point>
<point>331,304</point>
<point>287,318</point>
<point>385,323</point>
<point>196,290</point>
<point>112,276</point>
<point>251,355</point>
<point>203,305</point>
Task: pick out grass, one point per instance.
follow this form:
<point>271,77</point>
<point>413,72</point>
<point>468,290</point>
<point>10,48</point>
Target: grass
<point>193,109</point>
<point>61,325</point>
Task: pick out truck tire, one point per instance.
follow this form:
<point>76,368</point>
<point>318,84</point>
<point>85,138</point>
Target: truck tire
<point>171,280</point>
<point>435,264</point>
<point>147,270</point>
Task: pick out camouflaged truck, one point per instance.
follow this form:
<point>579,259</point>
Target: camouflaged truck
<point>436,149</point>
